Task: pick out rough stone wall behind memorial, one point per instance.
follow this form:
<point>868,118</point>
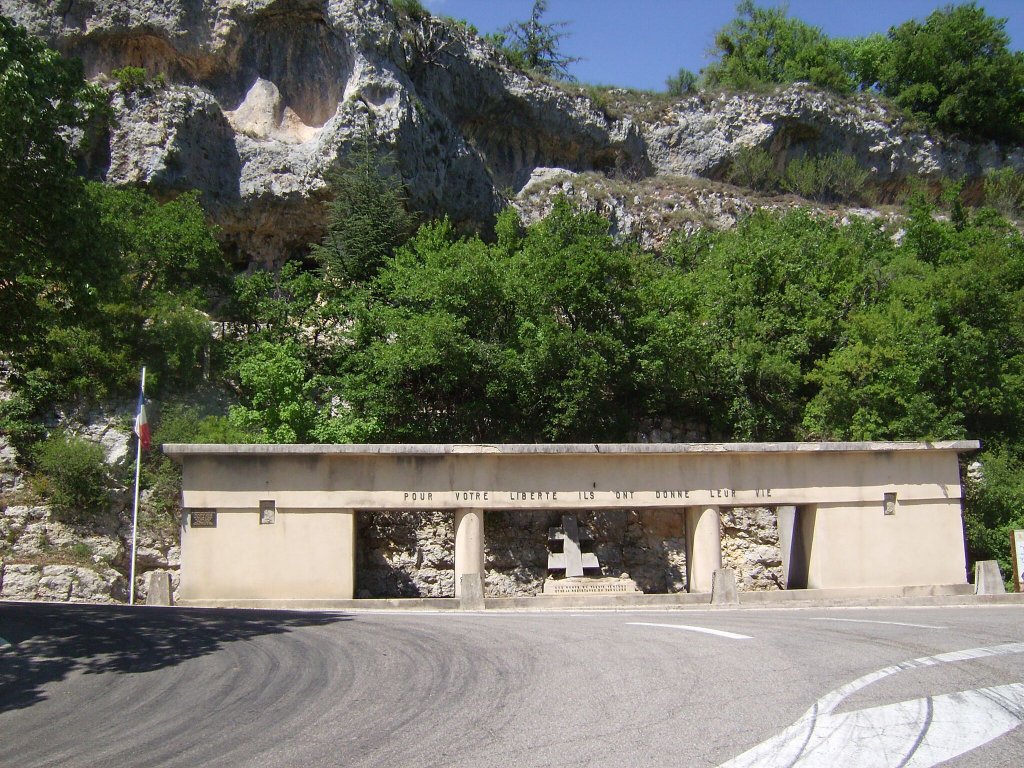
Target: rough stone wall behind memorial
<point>750,546</point>
<point>405,554</point>
<point>649,545</point>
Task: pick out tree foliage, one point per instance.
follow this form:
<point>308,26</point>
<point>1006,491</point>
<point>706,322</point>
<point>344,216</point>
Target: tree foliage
<point>536,45</point>
<point>46,110</point>
<point>763,46</point>
<point>956,69</point>
<point>366,218</point>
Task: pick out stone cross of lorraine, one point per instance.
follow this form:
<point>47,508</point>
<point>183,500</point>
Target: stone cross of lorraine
<point>571,558</point>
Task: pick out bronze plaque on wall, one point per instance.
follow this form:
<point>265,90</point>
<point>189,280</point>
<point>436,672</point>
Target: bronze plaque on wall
<point>202,518</point>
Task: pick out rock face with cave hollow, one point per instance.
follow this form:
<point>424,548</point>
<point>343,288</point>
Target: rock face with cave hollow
<point>252,101</point>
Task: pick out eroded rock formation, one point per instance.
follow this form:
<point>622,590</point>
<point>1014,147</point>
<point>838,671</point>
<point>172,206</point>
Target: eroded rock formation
<point>263,96</point>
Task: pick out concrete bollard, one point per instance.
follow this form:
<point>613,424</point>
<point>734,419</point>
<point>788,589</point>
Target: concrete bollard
<point>723,587</point>
<point>159,592</point>
<point>987,579</point>
<point>471,592</point>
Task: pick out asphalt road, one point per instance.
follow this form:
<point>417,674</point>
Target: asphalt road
<point>106,686</point>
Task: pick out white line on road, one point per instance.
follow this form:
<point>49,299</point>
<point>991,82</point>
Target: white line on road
<point>705,630</point>
<point>871,621</point>
<point>920,733</point>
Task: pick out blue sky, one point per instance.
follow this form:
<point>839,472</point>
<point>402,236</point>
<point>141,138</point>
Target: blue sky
<point>639,43</point>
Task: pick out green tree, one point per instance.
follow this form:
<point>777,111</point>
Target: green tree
<point>768,300</point>
<point>764,46</point>
<point>366,217</point>
<point>940,353</point>
<point>956,70</point>
<point>47,262</point>
<point>276,386</point>
<point>530,338</point>
<point>534,44</point>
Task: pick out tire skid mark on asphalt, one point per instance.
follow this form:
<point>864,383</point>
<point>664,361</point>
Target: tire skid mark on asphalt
<point>876,621</point>
<point>920,732</point>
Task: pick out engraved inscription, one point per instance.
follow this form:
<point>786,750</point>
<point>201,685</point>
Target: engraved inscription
<point>202,518</point>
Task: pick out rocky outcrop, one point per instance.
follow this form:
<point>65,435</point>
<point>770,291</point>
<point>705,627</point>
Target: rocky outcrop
<point>698,136</point>
<point>405,554</point>
<point>62,583</point>
<point>261,97</point>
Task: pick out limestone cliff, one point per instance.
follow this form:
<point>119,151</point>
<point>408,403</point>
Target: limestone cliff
<point>263,96</point>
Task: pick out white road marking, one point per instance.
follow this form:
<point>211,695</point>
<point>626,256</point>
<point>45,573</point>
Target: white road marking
<point>705,630</point>
<point>910,734</point>
<point>872,621</point>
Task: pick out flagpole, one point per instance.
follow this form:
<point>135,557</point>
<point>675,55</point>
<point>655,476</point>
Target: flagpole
<point>135,510</point>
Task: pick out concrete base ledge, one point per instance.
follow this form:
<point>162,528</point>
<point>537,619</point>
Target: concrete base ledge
<point>398,603</point>
<point>950,594</point>
<point>858,593</point>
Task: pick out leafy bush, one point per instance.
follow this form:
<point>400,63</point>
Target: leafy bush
<point>129,79</point>
<point>72,474</point>
<point>413,9</point>
<point>754,168</point>
<point>682,83</point>
<point>994,506</point>
<point>1004,191</point>
<point>835,177</point>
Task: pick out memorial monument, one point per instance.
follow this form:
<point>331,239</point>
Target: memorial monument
<point>566,554</point>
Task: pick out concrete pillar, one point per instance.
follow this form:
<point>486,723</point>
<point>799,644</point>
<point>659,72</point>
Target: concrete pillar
<point>703,547</point>
<point>349,548</point>
<point>785,520</point>
<point>469,545</point>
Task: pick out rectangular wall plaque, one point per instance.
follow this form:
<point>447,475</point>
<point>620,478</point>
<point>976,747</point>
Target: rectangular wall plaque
<point>202,518</point>
<point>268,512</point>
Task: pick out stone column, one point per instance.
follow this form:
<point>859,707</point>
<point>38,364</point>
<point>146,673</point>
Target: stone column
<point>469,545</point>
<point>703,547</point>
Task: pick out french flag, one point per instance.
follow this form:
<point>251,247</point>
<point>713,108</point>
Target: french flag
<point>141,423</point>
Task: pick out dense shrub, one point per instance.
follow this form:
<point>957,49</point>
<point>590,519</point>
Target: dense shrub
<point>72,474</point>
<point>1004,191</point>
<point>835,177</point>
<point>682,83</point>
<point>754,168</point>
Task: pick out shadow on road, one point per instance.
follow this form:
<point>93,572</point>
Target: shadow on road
<point>49,642</point>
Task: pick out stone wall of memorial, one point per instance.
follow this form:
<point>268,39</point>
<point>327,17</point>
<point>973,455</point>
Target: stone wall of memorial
<point>750,546</point>
<point>412,554</point>
<point>405,554</point>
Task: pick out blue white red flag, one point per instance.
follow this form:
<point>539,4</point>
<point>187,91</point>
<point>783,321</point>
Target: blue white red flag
<point>141,423</point>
